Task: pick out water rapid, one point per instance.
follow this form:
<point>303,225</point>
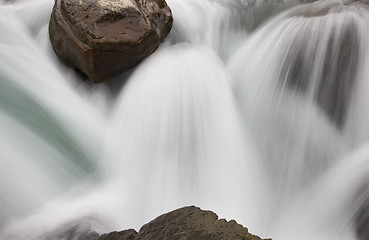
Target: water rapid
<point>254,109</point>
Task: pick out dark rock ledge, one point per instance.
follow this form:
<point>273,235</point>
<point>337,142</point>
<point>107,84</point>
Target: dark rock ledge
<point>188,223</point>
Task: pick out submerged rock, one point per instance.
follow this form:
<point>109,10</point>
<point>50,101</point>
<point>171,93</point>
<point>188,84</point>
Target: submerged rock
<point>185,224</point>
<point>103,38</point>
<point>362,213</point>
<point>323,57</point>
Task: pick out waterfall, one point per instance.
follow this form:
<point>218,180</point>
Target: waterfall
<point>299,80</point>
<point>45,148</point>
<point>253,109</point>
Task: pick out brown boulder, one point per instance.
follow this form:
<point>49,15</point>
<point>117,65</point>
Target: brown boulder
<point>188,223</point>
<point>104,38</point>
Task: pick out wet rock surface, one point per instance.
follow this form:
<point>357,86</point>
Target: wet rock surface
<point>104,38</point>
<point>188,223</point>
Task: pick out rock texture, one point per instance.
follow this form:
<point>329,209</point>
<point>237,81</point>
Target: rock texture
<point>188,223</point>
<point>103,38</point>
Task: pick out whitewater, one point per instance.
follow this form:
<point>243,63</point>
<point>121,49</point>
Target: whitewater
<point>254,109</point>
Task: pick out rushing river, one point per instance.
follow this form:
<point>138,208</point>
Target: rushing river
<point>254,109</point>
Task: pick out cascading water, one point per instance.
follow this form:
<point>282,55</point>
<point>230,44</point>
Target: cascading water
<point>266,126</point>
<point>42,150</point>
<point>300,81</point>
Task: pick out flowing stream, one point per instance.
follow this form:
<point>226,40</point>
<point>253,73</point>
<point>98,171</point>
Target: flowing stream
<point>254,109</point>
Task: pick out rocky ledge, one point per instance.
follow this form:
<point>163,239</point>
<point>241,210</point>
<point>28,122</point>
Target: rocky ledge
<point>188,223</point>
<point>103,38</point>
